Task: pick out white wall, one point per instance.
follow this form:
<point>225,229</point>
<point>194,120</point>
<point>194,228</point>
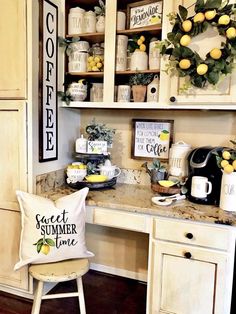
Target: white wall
<point>68,120</point>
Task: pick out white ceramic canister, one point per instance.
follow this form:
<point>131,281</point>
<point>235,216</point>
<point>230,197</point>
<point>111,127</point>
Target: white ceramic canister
<point>96,92</point>
<point>121,52</point>
<point>81,145</point>
<point>123,94</point>
<point>228,192</point>
<point>154,55</point>
<point>120,21</point>
<point>78,61</point>
<point>139,61</point>
<point>153,90</point>
<point>76,21</point>
<point>81,45</point>
<point>90,22</point>
<point>178,165</point>
<point>78,90</point>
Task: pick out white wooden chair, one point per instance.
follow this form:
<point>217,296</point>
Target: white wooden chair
<point>58,272</point>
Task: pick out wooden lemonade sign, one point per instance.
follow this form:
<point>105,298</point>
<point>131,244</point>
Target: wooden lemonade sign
<point>144,15</point>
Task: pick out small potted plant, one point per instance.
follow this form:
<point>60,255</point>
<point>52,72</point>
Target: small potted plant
<point>138,83</point>
<point>156,170</point>
<point>100,132</point>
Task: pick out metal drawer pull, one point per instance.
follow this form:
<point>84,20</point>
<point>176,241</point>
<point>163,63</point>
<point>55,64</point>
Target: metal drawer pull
<point>188,255</point>
<point>189,235</point>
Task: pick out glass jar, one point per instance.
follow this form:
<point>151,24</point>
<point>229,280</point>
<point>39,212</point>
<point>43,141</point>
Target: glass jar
<point>96,58</point>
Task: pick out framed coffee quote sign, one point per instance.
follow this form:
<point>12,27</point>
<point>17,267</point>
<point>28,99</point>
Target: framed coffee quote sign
<point>151,138</point>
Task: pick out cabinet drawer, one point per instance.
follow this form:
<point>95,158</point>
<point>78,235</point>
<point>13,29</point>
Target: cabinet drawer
<point>118,219</point>
<point>192,233</point>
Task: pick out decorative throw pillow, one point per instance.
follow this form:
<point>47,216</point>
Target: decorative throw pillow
<point>52,231</point>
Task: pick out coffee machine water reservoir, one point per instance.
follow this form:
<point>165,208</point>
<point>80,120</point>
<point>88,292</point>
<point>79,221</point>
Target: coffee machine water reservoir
<point>202,162</point>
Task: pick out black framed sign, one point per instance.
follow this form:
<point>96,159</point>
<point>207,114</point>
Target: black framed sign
<point>151,138</point>
<point>48,33</point>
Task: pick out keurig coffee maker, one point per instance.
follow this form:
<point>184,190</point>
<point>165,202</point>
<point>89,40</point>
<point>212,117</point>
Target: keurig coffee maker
<point>202,162</point>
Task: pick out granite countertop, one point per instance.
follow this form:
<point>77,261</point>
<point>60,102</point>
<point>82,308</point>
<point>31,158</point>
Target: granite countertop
<point>137,198</point>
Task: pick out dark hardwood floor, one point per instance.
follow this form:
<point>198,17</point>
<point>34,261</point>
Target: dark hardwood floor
<point>104,294</point>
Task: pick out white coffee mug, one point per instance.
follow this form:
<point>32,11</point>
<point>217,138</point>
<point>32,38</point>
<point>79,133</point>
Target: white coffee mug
<point>110,171</point>
<point>123,93</point>
<point>201,187</point>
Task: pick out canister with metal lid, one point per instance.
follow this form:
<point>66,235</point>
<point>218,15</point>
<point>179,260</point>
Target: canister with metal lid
<point>76,21</point>
<point>178,165</point>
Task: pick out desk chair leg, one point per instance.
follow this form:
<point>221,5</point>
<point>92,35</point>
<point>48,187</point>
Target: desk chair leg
<point>37,298</point>
<point>81,295</point>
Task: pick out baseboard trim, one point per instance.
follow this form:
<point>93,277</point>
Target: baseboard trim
<point>119,272</point>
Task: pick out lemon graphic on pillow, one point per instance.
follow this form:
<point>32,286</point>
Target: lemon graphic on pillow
<point>43,245</point>
<point>164,135</point>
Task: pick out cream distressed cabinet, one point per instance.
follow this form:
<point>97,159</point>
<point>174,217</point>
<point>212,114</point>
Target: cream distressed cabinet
<point>170,96</point>
<point>13,169</point>
<point>190,269</point>
<point>13,52</point>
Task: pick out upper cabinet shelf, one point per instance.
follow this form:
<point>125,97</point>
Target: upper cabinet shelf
<point>124,56</point>
<point>90,37</point>
<point>153,30</point>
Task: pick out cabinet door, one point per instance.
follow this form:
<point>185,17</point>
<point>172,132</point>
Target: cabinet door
<point>224,92</point>
<point>193,285</point>
<point>13,159</point>
<point>10,226</point>
<point>13,49</point>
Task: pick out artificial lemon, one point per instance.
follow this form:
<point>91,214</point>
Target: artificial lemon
<point>202,69</point>
<point>91,58</point>
<point>231,33</point>
<point>92,63</point>
<point>184,64</point>
<point>142,38</point>
<point>95,68</point>
<point>199,17</point>
<point>142,47</point>
<point>224,163</point>
<point>139,42</point>
<point>45,249</point>
<point>209,15</point>
<point>82,166</point>
<point>185,40</point>
<point>187,26</point>
<point>97,59</point>
<point>224,20</point>
<point>216,53</point>
<point>99,65</point>
<point>226,155</point>
<point>228,168</point>
<point>167,183</point>
<point>234,164</point>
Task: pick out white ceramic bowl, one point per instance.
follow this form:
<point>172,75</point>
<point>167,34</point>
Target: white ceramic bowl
<point>75,175</point>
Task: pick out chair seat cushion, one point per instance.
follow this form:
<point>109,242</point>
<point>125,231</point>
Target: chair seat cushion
<point>60,271</point>
<point>52,231</point>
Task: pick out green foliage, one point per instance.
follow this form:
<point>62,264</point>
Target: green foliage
<point>66,43</point>
<point>100,132</point>
<point>140,79</point>
<point>101,9</point>
<point>172,47</point>
<point>65,96</point>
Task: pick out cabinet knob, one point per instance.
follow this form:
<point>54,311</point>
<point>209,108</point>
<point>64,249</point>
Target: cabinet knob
<point>172,99</point>
<point>188,255</point>
<point>189,235</point>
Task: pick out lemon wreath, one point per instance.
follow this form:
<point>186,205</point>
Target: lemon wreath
<point>212,13</point>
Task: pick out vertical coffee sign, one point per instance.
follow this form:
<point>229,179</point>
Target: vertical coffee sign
<point>48,32</point>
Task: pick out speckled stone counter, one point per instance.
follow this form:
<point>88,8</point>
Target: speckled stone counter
<point>137,198</point>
